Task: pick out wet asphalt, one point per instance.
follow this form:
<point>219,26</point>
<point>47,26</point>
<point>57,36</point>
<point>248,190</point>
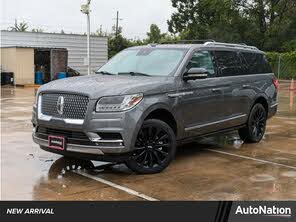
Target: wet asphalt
<point>214,168</point>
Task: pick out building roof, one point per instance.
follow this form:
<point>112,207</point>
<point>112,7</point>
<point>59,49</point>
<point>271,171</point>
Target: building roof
<point>53,33</point>
<point>30,47</point>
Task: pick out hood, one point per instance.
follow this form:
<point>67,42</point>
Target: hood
<point>96,86</point>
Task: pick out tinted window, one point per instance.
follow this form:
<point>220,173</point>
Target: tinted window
<point>202,59</point>
<point>229,63</point>
<point>256,63</point>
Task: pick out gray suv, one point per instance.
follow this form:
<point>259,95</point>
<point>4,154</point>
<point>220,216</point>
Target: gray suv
<point>147,100</point>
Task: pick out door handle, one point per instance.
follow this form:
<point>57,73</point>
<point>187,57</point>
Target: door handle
<point>217,90</point>
<point>246,86</point>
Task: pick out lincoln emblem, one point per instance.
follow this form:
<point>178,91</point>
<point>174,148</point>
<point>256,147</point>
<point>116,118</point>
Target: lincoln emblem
<point>60,105</point>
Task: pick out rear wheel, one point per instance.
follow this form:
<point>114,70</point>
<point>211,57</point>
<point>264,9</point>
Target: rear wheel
<point>256,125</point>
<point>155,147</point>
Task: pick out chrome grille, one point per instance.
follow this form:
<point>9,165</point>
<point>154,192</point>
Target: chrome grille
<point>75,106</point>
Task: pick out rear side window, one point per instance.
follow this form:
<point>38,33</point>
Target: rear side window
<point>229,63</point>
<point>256,63</point>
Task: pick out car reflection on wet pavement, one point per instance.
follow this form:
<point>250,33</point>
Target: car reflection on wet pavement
<point>214,168</point>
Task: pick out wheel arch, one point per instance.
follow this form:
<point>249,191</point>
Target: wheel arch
<point>165,116</point>
<point>262,99</point>
<point>161,112</point>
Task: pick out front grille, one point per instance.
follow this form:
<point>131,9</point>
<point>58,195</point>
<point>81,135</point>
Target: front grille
<point>65,133</point>
<point>75,106</point>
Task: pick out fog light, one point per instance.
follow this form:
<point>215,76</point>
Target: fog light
<point>95,140</point>
<point>34,129</point>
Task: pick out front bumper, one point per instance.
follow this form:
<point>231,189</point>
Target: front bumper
<point>71,147</point>
<point>90,156</point>
<point>126,124</point>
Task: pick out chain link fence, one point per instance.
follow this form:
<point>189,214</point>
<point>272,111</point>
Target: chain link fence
<point>283,64</point>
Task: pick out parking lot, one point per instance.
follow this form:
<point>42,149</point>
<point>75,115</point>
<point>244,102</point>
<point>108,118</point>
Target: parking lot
<point>214,168</point>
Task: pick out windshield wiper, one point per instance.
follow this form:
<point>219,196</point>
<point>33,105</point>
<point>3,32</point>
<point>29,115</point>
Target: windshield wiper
<point>133,73</point>
<point>104,73</point>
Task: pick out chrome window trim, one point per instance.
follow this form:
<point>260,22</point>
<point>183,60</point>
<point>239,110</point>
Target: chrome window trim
<point>216,122</point>
<point>48,118</point>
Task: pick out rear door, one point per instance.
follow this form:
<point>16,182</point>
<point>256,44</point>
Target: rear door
<point>231,69</point>
<point>255,79</point>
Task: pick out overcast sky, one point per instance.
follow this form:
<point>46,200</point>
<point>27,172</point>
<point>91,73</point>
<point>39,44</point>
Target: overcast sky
<point>54,15</point>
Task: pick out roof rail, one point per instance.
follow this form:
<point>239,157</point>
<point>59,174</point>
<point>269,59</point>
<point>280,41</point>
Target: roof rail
<point>243,45</point>
<point>198,41</point>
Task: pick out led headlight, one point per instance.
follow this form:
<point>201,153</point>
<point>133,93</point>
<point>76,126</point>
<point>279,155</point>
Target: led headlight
<point>118,103</point>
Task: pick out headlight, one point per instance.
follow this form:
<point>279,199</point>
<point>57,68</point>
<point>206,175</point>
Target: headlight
<point>118,103</point>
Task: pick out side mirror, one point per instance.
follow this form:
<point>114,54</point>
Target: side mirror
<point>195,73</point>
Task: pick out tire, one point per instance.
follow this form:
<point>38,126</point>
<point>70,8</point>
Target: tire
<point>254,131</point>
<point>155,148</point>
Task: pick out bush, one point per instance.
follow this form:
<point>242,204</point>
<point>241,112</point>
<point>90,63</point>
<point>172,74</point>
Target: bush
<point>285,67</point>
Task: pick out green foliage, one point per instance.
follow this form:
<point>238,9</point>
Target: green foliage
<point>289,46</point>
<point>267,24</point>
<point>117,44</point>
<point>37,30</point>
<point>19,27</point>
<point>155,35</point>
<point>283,64</point>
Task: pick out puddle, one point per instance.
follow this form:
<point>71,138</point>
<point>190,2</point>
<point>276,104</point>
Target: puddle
<point>262,178</point>
<point>289,174</point>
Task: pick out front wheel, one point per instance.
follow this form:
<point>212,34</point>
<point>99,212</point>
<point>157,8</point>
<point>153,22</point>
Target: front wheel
<point>155,147</point>
<point>256,125</point>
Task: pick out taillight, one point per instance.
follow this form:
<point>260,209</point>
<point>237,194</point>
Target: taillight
<point>275,82</point>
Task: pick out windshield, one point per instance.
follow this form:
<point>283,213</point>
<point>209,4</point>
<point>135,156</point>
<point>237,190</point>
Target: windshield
<point>148,62</point>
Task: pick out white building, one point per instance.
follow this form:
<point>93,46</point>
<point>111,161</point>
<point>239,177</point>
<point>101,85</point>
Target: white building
<point>21,50</point>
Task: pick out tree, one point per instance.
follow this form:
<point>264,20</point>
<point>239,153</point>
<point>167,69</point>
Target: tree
<point>267,24</point>
<point>100,32</point>
<point>206,19</point>
<point>155,36</point>
<point>117,44</point>
<point>273,20</point>
<point>19,27</point>
<point>37,30</point>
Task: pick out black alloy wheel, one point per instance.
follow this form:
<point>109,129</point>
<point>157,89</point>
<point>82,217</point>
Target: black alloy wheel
<point>255,129</point>
<point>258,122</point>
<point>155,147</point>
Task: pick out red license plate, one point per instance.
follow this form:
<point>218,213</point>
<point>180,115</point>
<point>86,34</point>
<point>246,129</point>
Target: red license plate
<point>56,142</point>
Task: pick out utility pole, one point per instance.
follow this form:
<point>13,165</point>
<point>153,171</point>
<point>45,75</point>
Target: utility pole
<point>85,9</point>
<point>117,24</point>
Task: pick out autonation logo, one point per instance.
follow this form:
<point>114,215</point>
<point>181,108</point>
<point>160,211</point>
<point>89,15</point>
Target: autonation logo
<point>264,211</point>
